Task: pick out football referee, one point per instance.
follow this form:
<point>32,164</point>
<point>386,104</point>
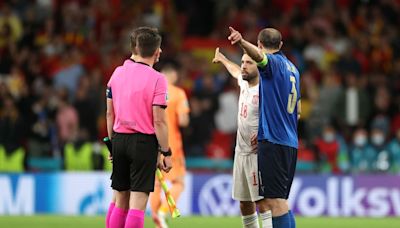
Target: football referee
<point>136,124</point>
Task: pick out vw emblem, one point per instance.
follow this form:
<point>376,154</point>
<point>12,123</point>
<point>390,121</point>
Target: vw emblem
<point>215,197</point>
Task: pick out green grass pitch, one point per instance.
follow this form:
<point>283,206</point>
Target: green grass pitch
<point>46,221</point>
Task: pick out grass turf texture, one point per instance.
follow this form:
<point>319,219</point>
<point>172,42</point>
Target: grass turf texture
<point>192,222</point>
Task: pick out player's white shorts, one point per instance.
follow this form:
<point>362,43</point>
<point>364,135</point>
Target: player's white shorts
<point>245,178</point>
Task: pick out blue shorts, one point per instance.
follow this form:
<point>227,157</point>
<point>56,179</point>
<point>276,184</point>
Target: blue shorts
<point>276,168</point>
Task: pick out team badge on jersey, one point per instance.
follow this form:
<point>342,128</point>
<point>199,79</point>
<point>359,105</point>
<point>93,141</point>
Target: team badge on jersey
<point>108,92</point>
<point>255,99</point>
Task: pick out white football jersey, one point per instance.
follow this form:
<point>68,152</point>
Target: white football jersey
<point>247,116</point>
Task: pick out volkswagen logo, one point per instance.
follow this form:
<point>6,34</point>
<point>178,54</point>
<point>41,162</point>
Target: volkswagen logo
<point>215,197</point>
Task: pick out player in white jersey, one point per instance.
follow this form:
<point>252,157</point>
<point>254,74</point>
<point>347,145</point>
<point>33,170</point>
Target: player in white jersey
<point>245,172</point>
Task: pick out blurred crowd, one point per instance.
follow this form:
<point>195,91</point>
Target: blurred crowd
<point>56,57</point>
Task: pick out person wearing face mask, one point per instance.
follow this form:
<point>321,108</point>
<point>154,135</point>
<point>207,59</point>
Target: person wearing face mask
<point>361,158</point>
<point>394,151</point>
<point>328,147</point>
<point>379,148</point>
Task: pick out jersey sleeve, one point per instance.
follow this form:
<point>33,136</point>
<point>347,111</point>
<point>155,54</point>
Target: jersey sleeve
<point>183,104</point>
<point>108,92</point>
<point>160,93</point>
<point>109,85</point>
<point>240,80</point>
<point>266,64</point>
<point>299,90</point>
<point>263,62</point>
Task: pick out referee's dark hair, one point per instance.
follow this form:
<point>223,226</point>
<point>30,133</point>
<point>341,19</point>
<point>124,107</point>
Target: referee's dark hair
<point>270,38</point>
<point>147,41</point>
<point>133,38</point>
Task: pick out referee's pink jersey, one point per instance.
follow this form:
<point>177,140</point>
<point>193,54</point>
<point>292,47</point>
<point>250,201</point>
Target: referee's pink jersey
<point>134,89</point>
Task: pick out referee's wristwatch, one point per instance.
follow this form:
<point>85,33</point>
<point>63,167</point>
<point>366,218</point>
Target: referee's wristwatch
<point>165,153</point>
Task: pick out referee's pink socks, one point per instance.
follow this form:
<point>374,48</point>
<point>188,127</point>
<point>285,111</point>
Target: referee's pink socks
<point>118,217</point>
<point>110,209</point>
<point>135,219</point>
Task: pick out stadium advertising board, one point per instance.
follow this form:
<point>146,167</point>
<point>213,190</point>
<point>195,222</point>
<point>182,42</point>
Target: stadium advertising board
<point>371,196</point>
<point>63,193</point>
<point>205,194</point>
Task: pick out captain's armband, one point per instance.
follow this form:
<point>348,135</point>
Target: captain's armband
<point>264,62</point>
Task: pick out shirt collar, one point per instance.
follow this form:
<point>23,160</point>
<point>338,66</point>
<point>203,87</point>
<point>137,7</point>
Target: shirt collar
<point>133,61</point>
<point>279,53</point>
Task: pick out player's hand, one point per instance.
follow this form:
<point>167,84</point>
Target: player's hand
<point>235,36</point>
<point>254,142</point>
<point>165,164</point>
<point>110,158</point>
<point>218,57</point>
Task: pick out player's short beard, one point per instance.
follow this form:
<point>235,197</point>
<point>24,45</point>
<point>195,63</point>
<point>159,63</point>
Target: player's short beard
<point>250,77</point>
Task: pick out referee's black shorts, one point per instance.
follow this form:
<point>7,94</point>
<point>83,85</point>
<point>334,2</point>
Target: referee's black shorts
<point>134,162</point>
<point>276,168</point>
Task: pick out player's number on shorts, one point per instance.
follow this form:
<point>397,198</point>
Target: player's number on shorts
<point>292,100</point>
<point>254,179</point>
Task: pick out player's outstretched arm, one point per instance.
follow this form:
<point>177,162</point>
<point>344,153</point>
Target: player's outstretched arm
<point>253,51</point>
<point>232,67</point>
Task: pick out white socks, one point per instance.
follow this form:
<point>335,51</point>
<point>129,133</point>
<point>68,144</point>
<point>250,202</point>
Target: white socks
<point>250,221</point>
<point>266,219</point>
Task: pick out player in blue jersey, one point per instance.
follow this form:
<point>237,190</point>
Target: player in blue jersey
<point>277,133</point>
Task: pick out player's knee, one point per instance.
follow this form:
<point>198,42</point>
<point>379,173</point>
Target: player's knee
<point>263,205</point>
<point>271,204</point>
<point>114,197</point>
<point>275,202</point>
<point>122,199</point>
<point>179,183</point>
<point>246,204</point>
<point>247,207</point>
<point>138,200</point>
<point>278,206</point>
